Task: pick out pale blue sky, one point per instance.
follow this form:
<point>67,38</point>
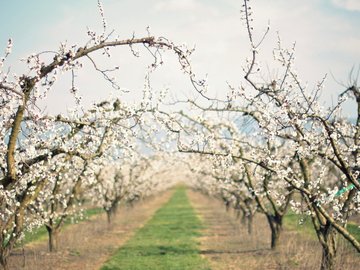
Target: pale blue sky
<point>326,31</point>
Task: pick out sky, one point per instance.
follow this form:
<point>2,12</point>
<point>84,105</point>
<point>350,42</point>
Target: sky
<point>325,31</point>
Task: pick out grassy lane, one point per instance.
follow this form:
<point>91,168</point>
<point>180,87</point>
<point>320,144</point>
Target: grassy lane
<point>166,242</point>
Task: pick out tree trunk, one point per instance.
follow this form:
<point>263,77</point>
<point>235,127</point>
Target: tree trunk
<point>238,213</point>
<point>227,206</point>
<point>53,235</point>
<point>275,235</point>
<point>329,248</point>
<point>111,212</point>
<point>243,219</point>
<point>114,209</point>
<point>328,259</point>
<point>109,216</point>
<point>275,223</point>
<point>3,262</point>
<point>250,224</point>
<point>4,254</point>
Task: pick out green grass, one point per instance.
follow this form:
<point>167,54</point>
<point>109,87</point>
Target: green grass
<point>292,222</point>
<point>166,242</point>
<point>38,234</point>
<point>41,233</point>
<point>301,223</point>
<point>354,230</point>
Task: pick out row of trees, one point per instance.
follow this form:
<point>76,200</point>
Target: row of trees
<point>127,182</point>
<point>50,165</point>
<point>271,146</point>
<point>267,147</point>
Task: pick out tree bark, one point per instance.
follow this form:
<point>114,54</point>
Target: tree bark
<point>250,224</point>
<point>109,216</point>
<point>111,212</point>
<point>275,223</point>
<point>53,238</point>
<point>329,248</point>
<point>243,218</point>
<point>328,259</point>
<point>3,258</point>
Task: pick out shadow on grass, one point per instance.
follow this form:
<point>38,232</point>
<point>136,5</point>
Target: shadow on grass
<point>255,251</point>
<point>156,250</point>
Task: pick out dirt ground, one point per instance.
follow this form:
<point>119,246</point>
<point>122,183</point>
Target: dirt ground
<point>87,245</point>
<point>228,246</point>
<point>225,242</point>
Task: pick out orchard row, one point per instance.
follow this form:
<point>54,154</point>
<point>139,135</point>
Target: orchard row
<point>266,146</point>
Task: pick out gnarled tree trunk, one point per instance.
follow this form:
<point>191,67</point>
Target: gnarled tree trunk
<point>275,223</point>
<point>329,247</point>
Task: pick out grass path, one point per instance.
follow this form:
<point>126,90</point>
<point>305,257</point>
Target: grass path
<point>166,242</point>
<point>89,244</point>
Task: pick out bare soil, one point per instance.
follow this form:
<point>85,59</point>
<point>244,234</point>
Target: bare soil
<point>89,244</point>
<point>227,245</point>
<point>225,242</point>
